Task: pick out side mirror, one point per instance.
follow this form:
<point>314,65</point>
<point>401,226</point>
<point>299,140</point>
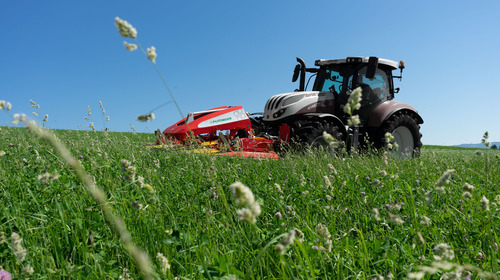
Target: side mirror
<point>296,73</point>
<point>372,67</point>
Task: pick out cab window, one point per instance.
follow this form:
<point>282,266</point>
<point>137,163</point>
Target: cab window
<point>333,81</point>
<point>379,85</point>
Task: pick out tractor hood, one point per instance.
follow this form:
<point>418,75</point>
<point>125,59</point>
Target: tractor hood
<point>296,103</point>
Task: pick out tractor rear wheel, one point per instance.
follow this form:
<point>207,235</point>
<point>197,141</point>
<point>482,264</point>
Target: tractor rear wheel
<point>311,135</point>
<point>406,132</point>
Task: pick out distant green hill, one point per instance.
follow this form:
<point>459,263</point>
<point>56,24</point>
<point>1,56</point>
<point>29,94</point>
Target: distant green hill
<point>479,145</point>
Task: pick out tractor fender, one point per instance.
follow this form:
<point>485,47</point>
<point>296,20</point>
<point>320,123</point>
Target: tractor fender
<point>386,109</point>
<point>330,118</point>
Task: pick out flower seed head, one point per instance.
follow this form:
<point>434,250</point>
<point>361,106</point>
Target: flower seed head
<point>126,29</point>
<point>152,54</point>
<point>485,203</point>
<point>445,179</point>
<point>242,193</point>
<point>130,47</point>
<point>146,118</point>
<point>353,121</point>
<point>468,187</point>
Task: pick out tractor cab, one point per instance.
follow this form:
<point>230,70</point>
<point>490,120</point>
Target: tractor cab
<point>341,76</point>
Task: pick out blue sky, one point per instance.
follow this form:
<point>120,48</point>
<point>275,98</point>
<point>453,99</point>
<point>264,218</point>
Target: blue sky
<point>68,55</point>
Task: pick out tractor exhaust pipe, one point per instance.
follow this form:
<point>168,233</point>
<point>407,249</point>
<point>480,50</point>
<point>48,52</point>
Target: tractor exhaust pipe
<point>300,69</point>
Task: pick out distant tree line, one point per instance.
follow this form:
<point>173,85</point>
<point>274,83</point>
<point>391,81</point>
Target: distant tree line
<point>494,147</point>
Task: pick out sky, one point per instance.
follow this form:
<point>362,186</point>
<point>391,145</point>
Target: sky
<point>68,55</point>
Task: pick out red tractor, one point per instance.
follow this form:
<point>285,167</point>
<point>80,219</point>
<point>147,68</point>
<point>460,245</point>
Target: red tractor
<point>303,115</point>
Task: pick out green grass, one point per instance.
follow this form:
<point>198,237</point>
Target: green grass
<point>190,217</point>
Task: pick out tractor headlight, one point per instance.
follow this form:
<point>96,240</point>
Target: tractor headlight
<point>279,113</point>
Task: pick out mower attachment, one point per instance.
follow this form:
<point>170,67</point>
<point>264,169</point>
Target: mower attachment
<point>222,131</point>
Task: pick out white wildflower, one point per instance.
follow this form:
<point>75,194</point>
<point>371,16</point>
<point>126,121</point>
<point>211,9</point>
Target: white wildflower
<point>395,219</point>
<point>467,195</point>
<point>485,203</point>
<point>146,118</point>
<point>245,215</point>
<point>425,221</point>
<point>302,180</point>
<point>242,193</point>
<point>15,119</point>
<point>130,47</point>
<point>443,252</point>
<point>164,265</point>
<point>102,108</point>
<point>255,208</point>
<point>485,139</point>
<point>445,179</point>
<point>416,275</point>
<point>353,121</point>
<point>245,197</point>
<point>126,29</point>
<point>28,270</point>
<point>440,190</point>
<point>128,170</point>
<point>47,177</point>
<point>385,158</point>
<point>468,187</point>
<point>278,187</point>
<point>420,237</point>
<point>152,54</point>
<point>17,247</point>
<point>332,169</point>
<point>323,232</point>
<point>328,184</point>
<point>376,214</point>
<point>388,137</point>
<point>325,236</point>
<point>354,102</point>
<point>287,240</point>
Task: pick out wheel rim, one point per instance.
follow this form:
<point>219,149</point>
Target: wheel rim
<point>320,143</point>
<point>404,138</point>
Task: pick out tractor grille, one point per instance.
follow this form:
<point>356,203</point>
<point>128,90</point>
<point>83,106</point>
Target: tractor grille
<point>274,102</point>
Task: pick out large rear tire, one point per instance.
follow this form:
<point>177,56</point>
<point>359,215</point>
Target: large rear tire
<point>406,132</point>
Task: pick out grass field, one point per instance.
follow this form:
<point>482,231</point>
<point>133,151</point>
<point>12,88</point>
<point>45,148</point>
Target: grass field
<point>352,217</point>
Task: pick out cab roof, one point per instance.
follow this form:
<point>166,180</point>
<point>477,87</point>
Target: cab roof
<point>355,59</point>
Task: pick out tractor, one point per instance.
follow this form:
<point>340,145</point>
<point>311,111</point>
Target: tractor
<point>307,114</point>
<point>304,116</point>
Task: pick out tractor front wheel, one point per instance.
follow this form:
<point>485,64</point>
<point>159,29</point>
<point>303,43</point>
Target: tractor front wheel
<point>406,132</point>
<point>311,135</point>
